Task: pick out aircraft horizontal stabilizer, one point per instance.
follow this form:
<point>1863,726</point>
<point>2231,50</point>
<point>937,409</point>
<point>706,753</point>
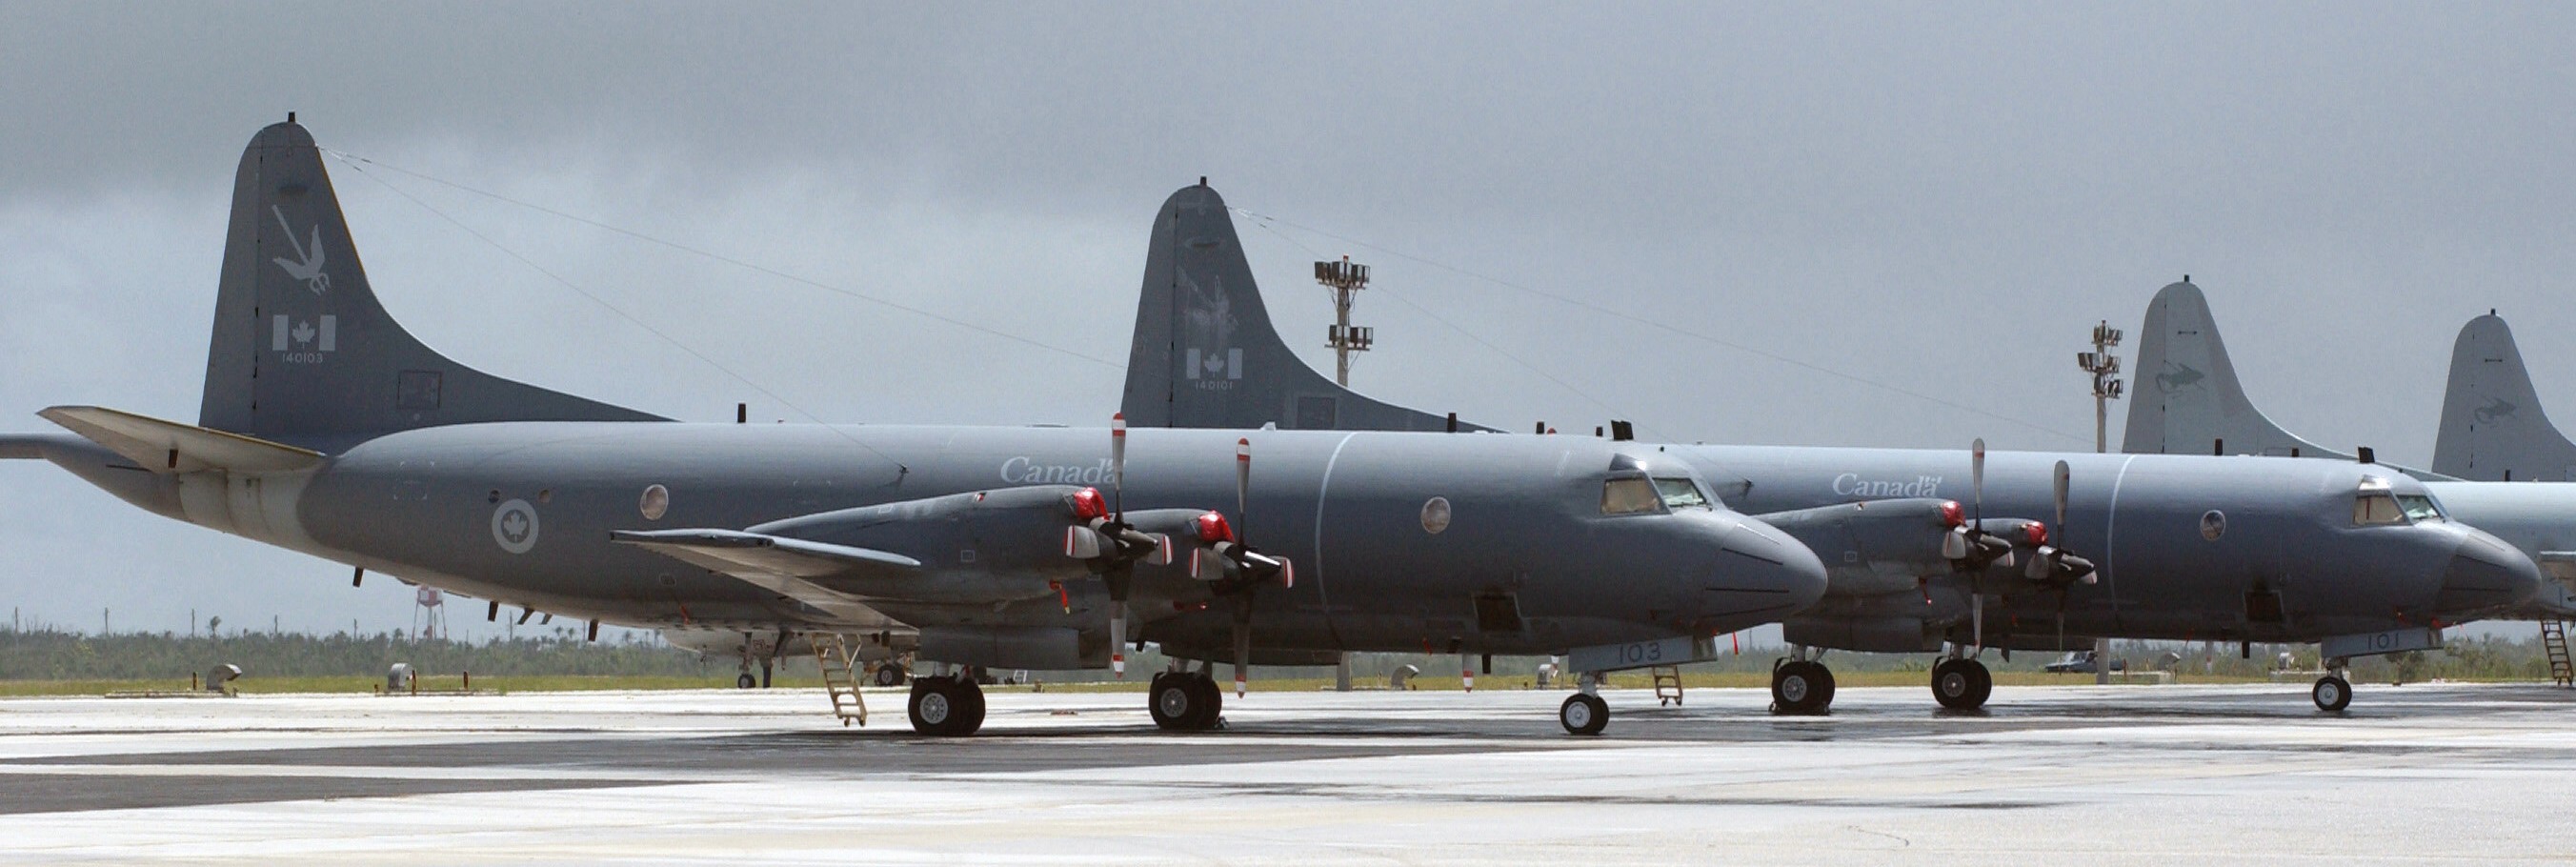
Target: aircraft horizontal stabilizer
<point>171,447</point>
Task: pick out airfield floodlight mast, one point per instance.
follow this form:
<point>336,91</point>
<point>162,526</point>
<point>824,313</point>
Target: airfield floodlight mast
<point>1345,280</point>
<point>2106,388</point>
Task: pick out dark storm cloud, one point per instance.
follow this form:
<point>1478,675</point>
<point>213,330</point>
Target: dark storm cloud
<point>1936,200</point>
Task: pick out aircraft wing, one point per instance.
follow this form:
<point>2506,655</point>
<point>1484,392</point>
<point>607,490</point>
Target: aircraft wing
<point>780,565</point>
<point>737,553</point>
<point>171,447</point>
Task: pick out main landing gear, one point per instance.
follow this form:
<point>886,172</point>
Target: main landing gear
<point>2333,692</point>
<point>948,705</point>
<point>1185,701</point>
<point>1961,683</point>
<point>1801,686</point>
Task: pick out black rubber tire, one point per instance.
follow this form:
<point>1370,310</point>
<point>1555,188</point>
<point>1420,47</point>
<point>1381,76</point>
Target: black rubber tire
<point>1210,705</point>
<point>890,674</point>
<point>1171,701</point>
<point>1801,687</point>
<point>972,720</point>
<point>1583,715</point>
<point>746,681</point>
<point>1985,684</point>
<point>1953,685</point>
<point>2332,694</point>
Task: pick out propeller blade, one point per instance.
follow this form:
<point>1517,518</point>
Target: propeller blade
<point>1117,464</point>
<point>1081,543</point>
<point>1242,650</point>
<point>1242,490</point>
<point>1118,639</point>
<point>1977,480</point>
<point>1977,622</point>
<point>2061,618</point>
<point>2061,502</point>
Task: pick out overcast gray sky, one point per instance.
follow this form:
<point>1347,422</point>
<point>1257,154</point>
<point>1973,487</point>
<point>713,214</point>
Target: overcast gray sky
<point>1935,200</point>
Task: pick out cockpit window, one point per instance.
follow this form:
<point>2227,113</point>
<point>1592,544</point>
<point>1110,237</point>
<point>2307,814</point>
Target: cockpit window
<point>2371,509</point>
<point>2420,507</point>
<point>1681,494</point>
<point>1630,496</point>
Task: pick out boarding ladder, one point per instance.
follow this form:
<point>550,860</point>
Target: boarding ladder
<point>2553,637</point>
<point>840,676</point>
<point>1668,685</point>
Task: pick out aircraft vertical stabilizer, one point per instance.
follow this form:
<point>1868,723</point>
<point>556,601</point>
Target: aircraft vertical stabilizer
<point>2493,429</point>
<point>303,353</point>
<point>2188,400</point>
<point>1205,354</point>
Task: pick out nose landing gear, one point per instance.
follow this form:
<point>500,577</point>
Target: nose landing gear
<point>1584,713</point>
<point>2333,692</point>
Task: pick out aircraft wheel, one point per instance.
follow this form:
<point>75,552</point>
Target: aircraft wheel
<point>745,681</point>
<point>1985,685</point>
<point>890,674</point>
<point>1583,714</point>
<point>2331,693</point>
<point>946,706</point>
<point>1955,684</point>
<point>1801,687</point>
<point>1171,701</point>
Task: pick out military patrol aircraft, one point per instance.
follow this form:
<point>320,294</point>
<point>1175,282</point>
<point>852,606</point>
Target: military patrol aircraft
<point>2492,432</point>
<point>327,429</point>
<point>2057,550</point>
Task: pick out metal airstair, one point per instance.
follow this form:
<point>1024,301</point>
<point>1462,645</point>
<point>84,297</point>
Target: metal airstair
<point>2553,637</point>
<point>840,676</point>
<point>1668,685</point>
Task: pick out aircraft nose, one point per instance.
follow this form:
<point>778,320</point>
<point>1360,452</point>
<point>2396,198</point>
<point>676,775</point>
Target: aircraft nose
<point>1792,570</point>
<point>2485,576</point>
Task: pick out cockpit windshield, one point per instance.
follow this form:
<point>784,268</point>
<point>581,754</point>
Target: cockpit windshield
<point>1681,494</point>
<point>2374,509</point>
<point>2375,504</point>
<point>1629,496</point>
<point>2420,507</point>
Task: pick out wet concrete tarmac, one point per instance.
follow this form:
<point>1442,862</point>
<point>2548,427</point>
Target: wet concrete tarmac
<point>2093,775</point>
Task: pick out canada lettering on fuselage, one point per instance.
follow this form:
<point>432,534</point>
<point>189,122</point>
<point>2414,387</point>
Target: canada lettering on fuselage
<point>1852,485</point>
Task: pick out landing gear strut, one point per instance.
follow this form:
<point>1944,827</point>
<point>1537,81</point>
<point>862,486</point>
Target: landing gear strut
<point>947,705</point>
<point>1961,683</point>
<point>2332,692</point>
<point>1184,701</point>
<point>1801,686</point>
<point>1584,713</point>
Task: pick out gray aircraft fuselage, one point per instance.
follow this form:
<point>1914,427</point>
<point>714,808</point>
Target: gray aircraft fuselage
<point>2285,526</point>
<point>1346,508</point>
